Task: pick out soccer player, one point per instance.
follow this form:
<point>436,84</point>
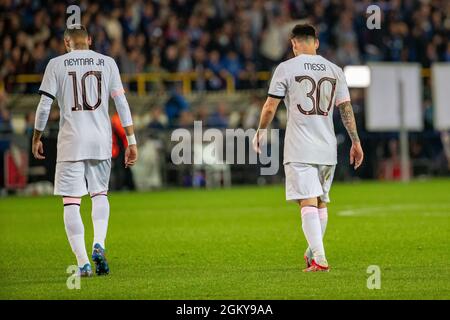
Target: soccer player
<point>82,81</point>
<point>310,86</point>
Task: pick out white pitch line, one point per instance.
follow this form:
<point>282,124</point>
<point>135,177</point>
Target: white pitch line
<point>394,208</point>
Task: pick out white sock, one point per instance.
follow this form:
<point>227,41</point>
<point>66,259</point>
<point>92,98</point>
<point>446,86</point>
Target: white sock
<point>100,217</point>
<point>75,229</point>
<point>313,233</point>
<point>323,217</point>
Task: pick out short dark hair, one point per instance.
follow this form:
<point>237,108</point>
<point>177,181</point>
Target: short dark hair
<point>304,31</point>
<point>75,30</point>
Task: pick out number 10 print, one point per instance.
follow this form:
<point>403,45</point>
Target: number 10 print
<point>86,106</point>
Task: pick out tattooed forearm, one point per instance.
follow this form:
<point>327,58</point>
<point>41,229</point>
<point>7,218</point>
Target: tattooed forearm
<point>348,119</point>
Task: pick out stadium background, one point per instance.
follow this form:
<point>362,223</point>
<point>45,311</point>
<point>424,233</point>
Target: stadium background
<point>211,60</point>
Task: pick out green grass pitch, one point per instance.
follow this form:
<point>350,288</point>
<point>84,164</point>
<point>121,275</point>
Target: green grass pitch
<point>239,243</point>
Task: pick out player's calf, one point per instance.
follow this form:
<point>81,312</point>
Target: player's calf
<point>100,216</point>
<point>75,229</point>
<point>313,231</point>
<point>323,217</point>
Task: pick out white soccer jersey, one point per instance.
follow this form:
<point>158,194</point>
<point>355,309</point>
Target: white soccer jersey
<point>311,86</point>
<point>82,81</point>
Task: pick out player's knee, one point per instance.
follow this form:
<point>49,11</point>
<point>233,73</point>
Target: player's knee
<point>97,194</point>
<point>100,203</point>
<point>308,202</point>
<point>321,204</point>
<point>67,201</point>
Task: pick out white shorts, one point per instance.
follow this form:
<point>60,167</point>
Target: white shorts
<point>77,178</point>
<point>305,181</point>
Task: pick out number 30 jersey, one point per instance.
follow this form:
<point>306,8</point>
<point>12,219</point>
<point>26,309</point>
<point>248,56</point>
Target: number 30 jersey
<point>82,81</point>
<point>311,86</point>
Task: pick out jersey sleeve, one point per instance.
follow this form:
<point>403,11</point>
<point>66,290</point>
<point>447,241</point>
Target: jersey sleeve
<point>42,112</point>
<point>278,84</point>
<point>342,94</point>
<point>49,85</point>
<point>118,95</point>
<point>116,86</point>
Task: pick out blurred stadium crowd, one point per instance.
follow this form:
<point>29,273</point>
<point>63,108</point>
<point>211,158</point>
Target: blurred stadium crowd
<point>236,37</point>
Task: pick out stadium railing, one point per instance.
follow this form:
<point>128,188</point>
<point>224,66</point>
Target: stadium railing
<point>186,78</point>
<point>141,79</point>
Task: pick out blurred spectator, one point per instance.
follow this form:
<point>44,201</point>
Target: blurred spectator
<point>202,114</point>
<point>251,118</point>
<point>186,120</point>
<point>158,121</point>
<point>175,105</point>
<point>155,66</point>
<point>214,65</point>
<point>232,65</point>
<point>219,118</point>
<point>170,59</point>
<point>274,39</point>
<point>347,54</point>
<point>5,115</point>
<point>390,167</point>
<point>29,123</point>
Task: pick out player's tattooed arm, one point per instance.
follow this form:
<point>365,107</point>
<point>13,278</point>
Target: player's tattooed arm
<point>348,119</point>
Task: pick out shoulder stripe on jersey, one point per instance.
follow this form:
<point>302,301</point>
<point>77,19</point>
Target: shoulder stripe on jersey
<point>275,96</point>
<point>117,93</point>
<point>46,94</point>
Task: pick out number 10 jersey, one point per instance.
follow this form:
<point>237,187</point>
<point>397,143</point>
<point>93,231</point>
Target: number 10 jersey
<point>311,86</point>
<point>82,82</point>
